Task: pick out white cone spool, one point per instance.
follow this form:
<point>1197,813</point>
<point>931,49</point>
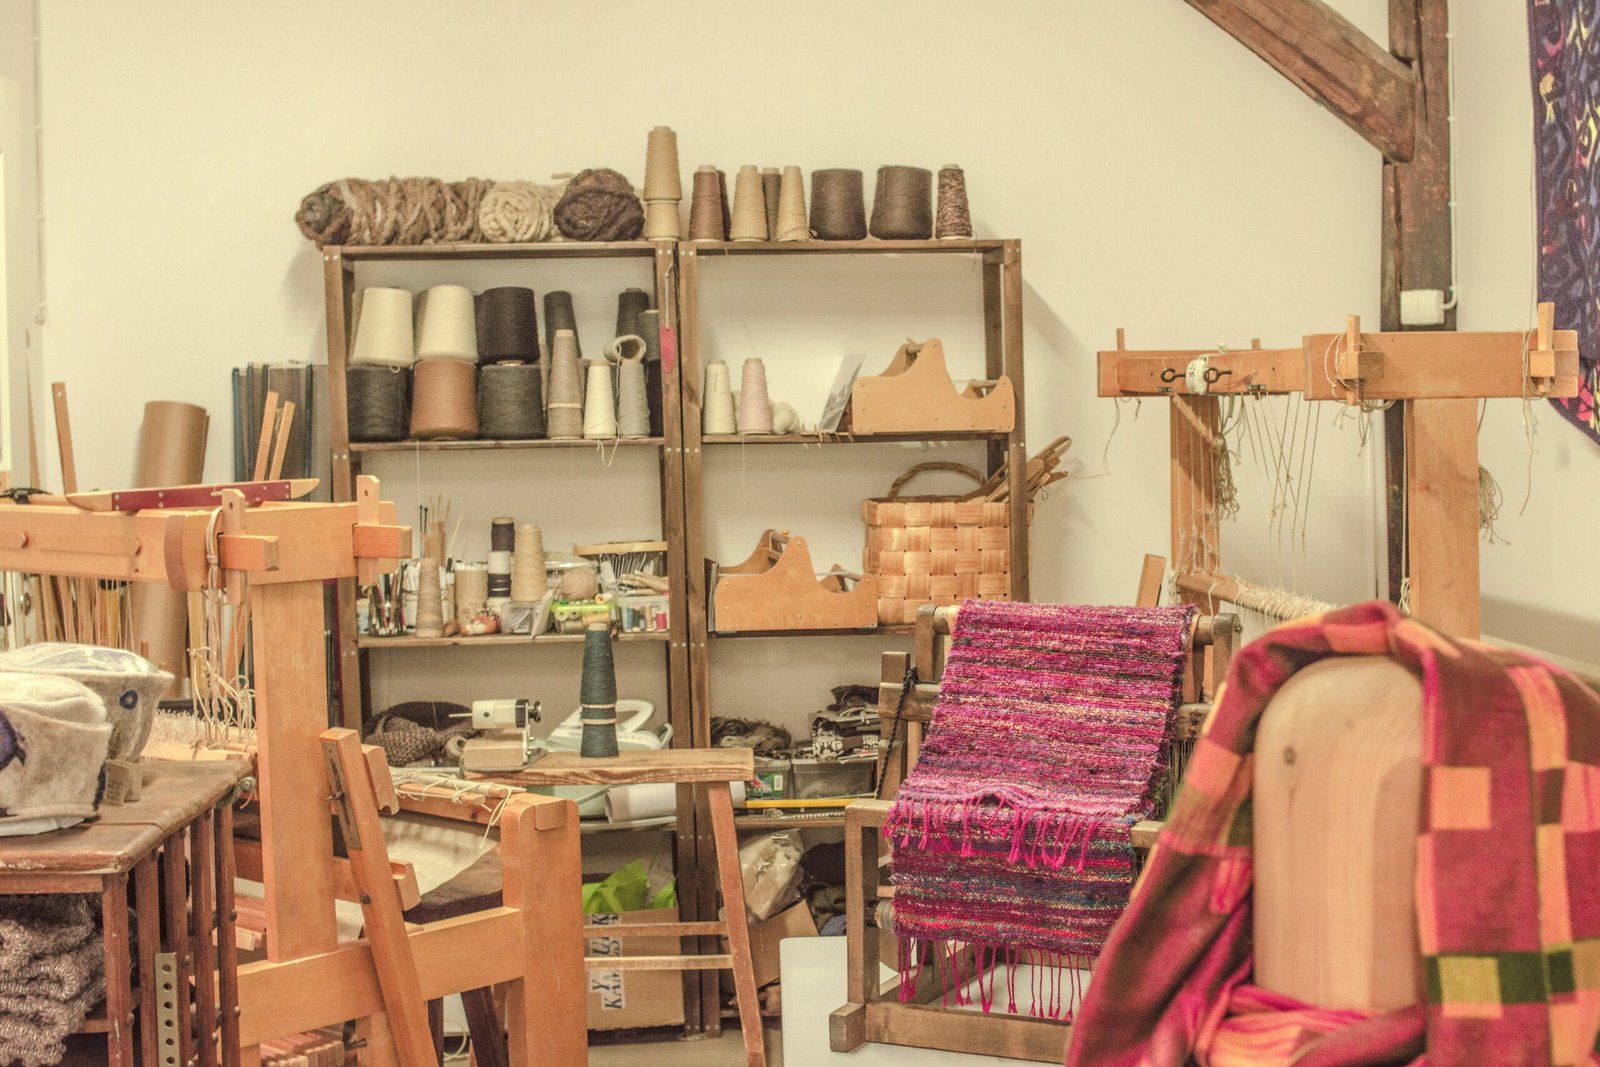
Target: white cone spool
<point>599,405</point>
<point>755,409</point>
<point>717,416</point>
<point>446,325</point>
<point>383,329</point>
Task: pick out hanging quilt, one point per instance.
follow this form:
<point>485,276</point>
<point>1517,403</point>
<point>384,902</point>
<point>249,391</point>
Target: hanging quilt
<point>1564,42</point>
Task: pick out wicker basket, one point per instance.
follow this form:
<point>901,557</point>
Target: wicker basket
<point>936,549</point>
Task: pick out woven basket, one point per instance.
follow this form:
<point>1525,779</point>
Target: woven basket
<point>936,549</point>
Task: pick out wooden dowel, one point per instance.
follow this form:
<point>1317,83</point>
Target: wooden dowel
<point>69,466</point>
<point>282,447</point>
<point>264,444</point>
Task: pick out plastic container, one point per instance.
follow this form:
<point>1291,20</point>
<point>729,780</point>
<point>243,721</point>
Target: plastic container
<point>850,776</point>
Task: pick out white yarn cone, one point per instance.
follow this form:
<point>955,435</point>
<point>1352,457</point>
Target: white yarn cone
<point>384,329</point>
<point>755,409</point>
<point>446,325</point>
<point>599,405</point>
<point>717,415</point>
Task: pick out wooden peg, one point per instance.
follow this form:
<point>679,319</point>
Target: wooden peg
<point>231,524</point>
<point>1541,354</point>
<point>1121,340</point>
<point>69,466</point>
<point>275,470</point>
<point>1353,366</point>
<point>264,445</point>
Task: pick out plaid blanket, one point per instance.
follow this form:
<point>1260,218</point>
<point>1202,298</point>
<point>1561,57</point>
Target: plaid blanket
<point>1507,897</point>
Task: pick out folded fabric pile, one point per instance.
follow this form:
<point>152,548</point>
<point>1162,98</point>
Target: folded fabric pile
<point>52,972</point>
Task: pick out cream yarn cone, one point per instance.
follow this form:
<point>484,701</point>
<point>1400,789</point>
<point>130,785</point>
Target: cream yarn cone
<point>528,578</point>
<point>600,405</point>
<point>717,416</point>
<point>749,207</point>
<point>755,407</point>
<point>430,605</point>
<point>384,333</point>
<point>565,409</point>
<point>792,225</point>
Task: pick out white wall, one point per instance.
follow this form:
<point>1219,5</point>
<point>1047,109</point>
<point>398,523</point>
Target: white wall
<point>1160,178</point>
<point>21,345</point>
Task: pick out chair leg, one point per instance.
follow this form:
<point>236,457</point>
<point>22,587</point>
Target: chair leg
<point>728,873</point>
<point>436,1027</point>
<point>488,1037</point>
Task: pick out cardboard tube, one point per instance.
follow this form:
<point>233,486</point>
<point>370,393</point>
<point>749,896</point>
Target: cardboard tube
<point>171,451</point>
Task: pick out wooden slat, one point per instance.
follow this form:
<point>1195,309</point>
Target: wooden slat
<point>1150,576</point>
<point>1329,58</point>
<point>1432,365</point>
<point>203,888</point>
<point>975,1033</point>
<point>119,968</point>
<point>726,842</point>
<point>627,930</point>
<point>1442,514</point>
<point>147,904</point>
<point>633,768</point>
<point>1249,370</point>
<point>658,963</point>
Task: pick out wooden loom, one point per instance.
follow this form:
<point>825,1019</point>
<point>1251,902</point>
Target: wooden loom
<point>1412,369</point>
<point>284,553</point>
<point>869,1013</point>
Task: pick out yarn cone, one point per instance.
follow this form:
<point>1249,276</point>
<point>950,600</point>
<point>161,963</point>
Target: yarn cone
<point>598,694</point>
<point>430,605</point>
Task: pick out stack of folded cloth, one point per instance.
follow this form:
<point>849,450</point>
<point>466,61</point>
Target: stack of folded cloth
<point>52,972</point>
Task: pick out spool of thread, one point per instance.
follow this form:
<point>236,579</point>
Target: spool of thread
<point>377,402</point>
<point>502,534</point>
<point>384,329</point>
<point>708,206</point>
<point>661,181</point>
<point>749,207</point>
<point>790,224</point>
<point>430,606</point>
<point>472,590</point>
<point>444,403</point>
<point>661,221</point>
<point>509,326</point>
<point>597,694</point>
<point>771,189</point>
<point>784,417</point>
<point>650,330</point>
<point>838,205</point>
<point>755,407</point>
<point>558,315</point>
<point>633,410</point>
<point>528,578</point>
<point>600,404</point>
<point>510,402</point>
<point>717,416</point>
<point>566,391</point>
<point>953,218</point>
<point>630,304</point>
<point>500,575</point>
<point>446,324</point>
<point>902,205</point>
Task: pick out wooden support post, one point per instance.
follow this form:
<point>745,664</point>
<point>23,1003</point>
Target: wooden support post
<point>1442,513</point>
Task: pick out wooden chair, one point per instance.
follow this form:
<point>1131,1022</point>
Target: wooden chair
<point>871,1015</point>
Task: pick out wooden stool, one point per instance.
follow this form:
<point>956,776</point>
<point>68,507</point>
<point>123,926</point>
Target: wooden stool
<point>176,845</point>
<point>713,768</point>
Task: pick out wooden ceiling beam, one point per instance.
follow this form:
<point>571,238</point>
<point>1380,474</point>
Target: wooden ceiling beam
<point>1328,57</point>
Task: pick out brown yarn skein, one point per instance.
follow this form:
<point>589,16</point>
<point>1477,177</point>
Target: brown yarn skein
<point>600,205</point>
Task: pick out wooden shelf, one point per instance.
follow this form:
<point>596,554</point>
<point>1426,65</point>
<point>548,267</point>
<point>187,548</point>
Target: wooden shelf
<point>966,245</point>
<point>494,640</point>
<point>848,438</point>
<point>479,445</point>
<point>485,250</point>
<point>895,630</point>
<point>603,826</point>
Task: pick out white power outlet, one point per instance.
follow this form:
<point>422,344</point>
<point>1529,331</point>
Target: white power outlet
<point>1422,307</point>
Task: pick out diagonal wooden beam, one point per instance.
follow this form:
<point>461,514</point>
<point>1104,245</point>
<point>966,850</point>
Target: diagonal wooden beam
<point>1328,57</point>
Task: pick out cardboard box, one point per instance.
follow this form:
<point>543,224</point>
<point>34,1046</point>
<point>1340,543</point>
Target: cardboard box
<point>764,937</point>
<point>621,1000</point>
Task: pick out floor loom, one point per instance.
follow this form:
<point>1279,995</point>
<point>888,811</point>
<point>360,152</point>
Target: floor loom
<point>273,559</point>
<point>1437,377</point>
<point>870,1014</point>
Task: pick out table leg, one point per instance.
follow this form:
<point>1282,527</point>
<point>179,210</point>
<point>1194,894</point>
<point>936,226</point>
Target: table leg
<point>174,870</point>
<point>201,841</point>
<point>227,946</point>
<point>147,907</point>
<point>732,881</point>
<point>119,970</point>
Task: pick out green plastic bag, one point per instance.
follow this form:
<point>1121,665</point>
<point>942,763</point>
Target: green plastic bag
<point>627,890</point>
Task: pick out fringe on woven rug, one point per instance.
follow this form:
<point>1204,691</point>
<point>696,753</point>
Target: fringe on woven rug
<point>1056,979</point>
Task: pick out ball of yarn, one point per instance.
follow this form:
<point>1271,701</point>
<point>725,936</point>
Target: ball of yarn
<point>579,583</point>
<point>600,205</point>
<point>519,212</point>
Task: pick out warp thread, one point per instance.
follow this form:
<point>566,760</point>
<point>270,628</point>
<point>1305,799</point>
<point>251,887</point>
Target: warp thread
<point>749,207</point>
<point>597,694</point>
<point>446,323</point>
<point>599,406</point>
<point>377,402</point>
<point>838,205</point>
<point>565,409</point>
<point>631,303</point>
<point>510,404</point>
<point>508,325</point>
<point>790,224</point>
<point>717,416</point>
<point>528,578</point>
<point>954,218</point>
<point>445,400</point>
<point>395,211</point>
<point>755,407</point>
<point>708,206</point>
<point>902,205</point>
<point>384,334</point>
<point>599,205</point>
<point>519,212</point>
<point>650,330</point>
<point>771,189</point>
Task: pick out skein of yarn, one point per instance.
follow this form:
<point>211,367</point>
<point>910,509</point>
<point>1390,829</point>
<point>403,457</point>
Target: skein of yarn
<point>838,205</point>
<point>717,416</point>
<point>394,211</point>
<point>755,408</point>
<point>749,207</point>
<point>633,410</point>
<point>376,401</point>
<point>771,188</point>
<point>566,391</point>
<point>599,405</point>
<point>650,330</point>
<point>508,325</point>
<point>528,578</point>
<point>661,180</point>
<point>472,590</point>
<point>790,224</point>
<point>445,400</point>
<point>519,212</point>
<point>558,315</point>
<point>784,417</point>
<point>902,205</point>
<point>384,335</point>
<point>599,205</point>
<point>707,207</point>
<point>630,303</point>
<point>430,604</point>
<point>953,218</point>
<point>445,323</point>
<point>510,403</point>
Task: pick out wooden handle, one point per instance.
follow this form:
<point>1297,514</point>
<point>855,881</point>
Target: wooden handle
<point>934,465</point>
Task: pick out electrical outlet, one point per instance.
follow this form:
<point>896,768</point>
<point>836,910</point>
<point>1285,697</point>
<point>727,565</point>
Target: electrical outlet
<point>1422,307</point>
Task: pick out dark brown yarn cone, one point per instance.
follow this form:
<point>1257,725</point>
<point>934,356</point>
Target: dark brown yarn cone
<point>902,205</point>
<point>706,209</point>
<point>771,184</point>
<point>838,205</point>
<point>508,325</point>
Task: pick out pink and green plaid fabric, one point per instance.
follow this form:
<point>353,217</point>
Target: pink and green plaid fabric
<point>1507,890</point>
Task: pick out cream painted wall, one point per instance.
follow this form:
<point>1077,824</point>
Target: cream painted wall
<point>20,295</point>
<point>1160,178</point>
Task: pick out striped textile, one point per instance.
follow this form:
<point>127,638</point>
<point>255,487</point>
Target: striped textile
<point>1508,904</point>
<point>1048,741</point>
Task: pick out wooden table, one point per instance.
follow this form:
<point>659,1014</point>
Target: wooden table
<point>715,769</point>
<point>181,823</point>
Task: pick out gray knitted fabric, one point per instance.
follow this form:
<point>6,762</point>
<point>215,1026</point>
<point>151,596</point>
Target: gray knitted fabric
<point>52,973</point>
